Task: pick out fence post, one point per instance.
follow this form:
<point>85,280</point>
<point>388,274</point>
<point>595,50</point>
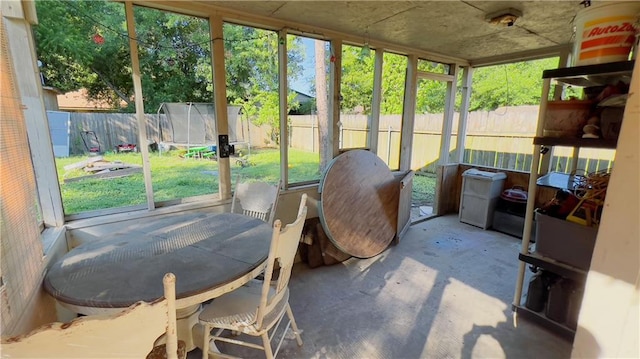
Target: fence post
<point>313,133</point>
<point>388,144</point>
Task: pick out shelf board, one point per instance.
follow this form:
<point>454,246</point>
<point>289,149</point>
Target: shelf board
<point>592,75</point>
<point>564,270</point>
<point>575,142</point>
<point>543,321</point>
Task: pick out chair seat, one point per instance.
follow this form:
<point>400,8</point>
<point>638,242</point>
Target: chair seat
<point>237,310</point>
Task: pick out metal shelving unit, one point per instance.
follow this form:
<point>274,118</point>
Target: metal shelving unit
<point>550,264</point>
<point>584,76</point>
<point>541,320</point>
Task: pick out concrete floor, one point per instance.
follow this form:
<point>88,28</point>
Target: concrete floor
<point>444,292</point>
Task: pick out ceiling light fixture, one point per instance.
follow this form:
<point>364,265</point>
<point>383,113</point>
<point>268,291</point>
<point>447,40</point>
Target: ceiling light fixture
<point>506,17</point>
<point>366,51</point>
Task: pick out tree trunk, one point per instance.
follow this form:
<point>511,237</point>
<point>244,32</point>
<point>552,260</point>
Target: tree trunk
<point>119,93</point>
<point>322,106</point>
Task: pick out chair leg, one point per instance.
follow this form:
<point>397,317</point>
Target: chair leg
<point>294,325</point>
<point>205,344</point>
<point>266,343</point>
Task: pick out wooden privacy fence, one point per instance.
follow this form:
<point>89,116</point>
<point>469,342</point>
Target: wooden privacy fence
<point>502,138</point>
<point>110,129</point>
<point>113,129</point>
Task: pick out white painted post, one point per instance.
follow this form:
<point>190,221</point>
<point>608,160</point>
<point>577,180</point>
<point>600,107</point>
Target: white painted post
<point>528,220</point>
<point>220,100</point>
<point>447,122</point>
<point>283,91</point>
<point>169,283</point>
<point>467,75</point>
<point>374,125</point>
<point>334,95</point>
<point>313,133</point>
<point>388,144</point>
<point>408,113</point>
<point>18,19</point>
<point>137,88</point>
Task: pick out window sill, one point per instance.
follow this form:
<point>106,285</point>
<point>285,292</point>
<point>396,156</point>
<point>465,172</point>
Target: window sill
<point>143,213</point>
<point>54,244</point>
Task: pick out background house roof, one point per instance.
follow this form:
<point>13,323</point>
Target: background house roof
<point>78,101</point>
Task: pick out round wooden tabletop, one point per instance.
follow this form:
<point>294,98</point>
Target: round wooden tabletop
<point>203,251</point>
<point>359,203</point>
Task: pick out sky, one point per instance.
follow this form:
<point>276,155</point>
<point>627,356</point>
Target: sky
<point>304,84</point>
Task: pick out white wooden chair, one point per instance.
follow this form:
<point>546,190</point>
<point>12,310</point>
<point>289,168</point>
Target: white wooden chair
<point>127,334</point>
<point>256,199</point>
<point>259,306</point>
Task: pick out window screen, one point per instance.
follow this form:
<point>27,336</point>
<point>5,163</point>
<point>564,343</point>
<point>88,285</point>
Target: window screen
<point>20,245</point>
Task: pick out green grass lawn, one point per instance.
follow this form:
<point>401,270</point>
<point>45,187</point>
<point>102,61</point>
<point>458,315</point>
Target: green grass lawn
<point>424,189</point>
<point>264,164</point>
<point>175,177</point>
<point>172,177</point>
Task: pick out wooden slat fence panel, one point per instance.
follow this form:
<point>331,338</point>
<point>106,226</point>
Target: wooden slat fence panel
<point>111,129</point>
<point>501,138</point>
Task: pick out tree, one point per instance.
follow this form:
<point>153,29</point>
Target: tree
<point>175,57</point>
<point>322,98</point>
<point>357,78</point>
<point>252,73</point>
<point>394,69</point>
<point>502,85</point>
<point>84,44</point>
<point>78,51</point>
<point>512,84</point>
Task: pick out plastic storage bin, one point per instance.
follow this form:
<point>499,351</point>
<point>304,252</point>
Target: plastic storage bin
<point>510,212</point>
<point>480,193</point>
<point>507,222</point>
<point>565,241</point>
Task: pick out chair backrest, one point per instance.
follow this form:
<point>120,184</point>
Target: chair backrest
<point>256,199</point>
<point>127,334</point>
<point>284,245</point>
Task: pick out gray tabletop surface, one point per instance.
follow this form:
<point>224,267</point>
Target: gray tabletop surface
<point>204,251</point>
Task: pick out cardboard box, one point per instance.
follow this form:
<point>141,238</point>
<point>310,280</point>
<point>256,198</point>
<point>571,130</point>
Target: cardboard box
<point>566,118</point>
<point>565,241</point>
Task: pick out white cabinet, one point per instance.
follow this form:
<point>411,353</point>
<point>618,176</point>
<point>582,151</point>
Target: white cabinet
<point>480,193</point>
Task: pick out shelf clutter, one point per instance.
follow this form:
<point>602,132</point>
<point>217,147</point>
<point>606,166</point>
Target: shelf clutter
<point>566,230</point>
<point>597,116</point>
<point>566,227</point>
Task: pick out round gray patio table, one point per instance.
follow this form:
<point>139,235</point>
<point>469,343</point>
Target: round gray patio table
<point>210,254</point>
